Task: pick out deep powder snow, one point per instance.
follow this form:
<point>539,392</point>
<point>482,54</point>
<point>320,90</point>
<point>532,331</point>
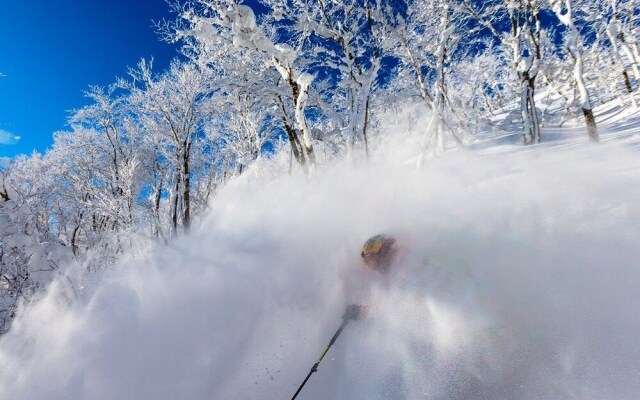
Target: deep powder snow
<point>243,306</point>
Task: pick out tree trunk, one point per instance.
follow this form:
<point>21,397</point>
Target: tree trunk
<point>74,239</point>
<point>627,82</point>
<point>533,111</point>
<point>363,116</point>
<point>364,128</point>
<point>530,120</point>
<point>632,57</point>
<point>157,195</point>
<point>591,125</point>
<point>294,143</point>
<point>174,206</point>
<point>573,45</point>
<point>299,93</point>
<point>186,198</point>
<point>292,135</point>
<point>586,102</point>
<point>301,101</point>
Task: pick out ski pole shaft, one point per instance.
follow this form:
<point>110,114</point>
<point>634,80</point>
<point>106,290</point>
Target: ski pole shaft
<point>345,321</point>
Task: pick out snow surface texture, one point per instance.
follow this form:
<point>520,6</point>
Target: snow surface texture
<point>243,307</point>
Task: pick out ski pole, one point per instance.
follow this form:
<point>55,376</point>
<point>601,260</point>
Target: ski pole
<point>350,313</point>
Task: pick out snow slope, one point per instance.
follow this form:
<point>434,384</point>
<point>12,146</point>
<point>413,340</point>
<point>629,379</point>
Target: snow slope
<point>243,307</point>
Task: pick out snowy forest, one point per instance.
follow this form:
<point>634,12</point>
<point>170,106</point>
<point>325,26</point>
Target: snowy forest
<point>313,91</point>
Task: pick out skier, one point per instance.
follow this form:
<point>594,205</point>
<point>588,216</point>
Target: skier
<point>404,286</point>
<point>383,255</point>
<point>431,334</point>
<point>391,266</point>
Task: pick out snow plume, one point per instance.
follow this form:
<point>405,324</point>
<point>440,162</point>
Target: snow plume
<point>8,138</point>
<point>546,240</point>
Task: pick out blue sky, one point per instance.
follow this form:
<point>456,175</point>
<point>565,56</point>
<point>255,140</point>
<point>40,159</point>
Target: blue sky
<point>52,50</point>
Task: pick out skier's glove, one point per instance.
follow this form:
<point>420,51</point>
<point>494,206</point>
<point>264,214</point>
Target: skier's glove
<point>356,312</point>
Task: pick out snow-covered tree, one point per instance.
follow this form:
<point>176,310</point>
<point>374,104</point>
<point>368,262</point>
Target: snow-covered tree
<point>481,88</point>
<point>611,25</point>
<point>227,26</point>
<point>106,117</point>
<point>573,41</point>
<point>622,29</point>
<point>242,131</point>
<point>176,104</point>
<point>516,25</point>
<point>87,211</point>
<point>428,38</point>
<point>345,43</point>
<point>30,252</point>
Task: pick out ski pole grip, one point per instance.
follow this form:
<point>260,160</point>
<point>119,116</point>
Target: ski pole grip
<point>354,312</point>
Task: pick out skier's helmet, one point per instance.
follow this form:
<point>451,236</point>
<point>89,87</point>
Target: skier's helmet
<point>378,252</point>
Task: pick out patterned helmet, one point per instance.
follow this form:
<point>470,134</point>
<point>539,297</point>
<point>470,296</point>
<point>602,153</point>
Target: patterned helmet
<point>378,252</point>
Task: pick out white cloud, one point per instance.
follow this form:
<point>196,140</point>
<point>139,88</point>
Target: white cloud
<point>8,137</point>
